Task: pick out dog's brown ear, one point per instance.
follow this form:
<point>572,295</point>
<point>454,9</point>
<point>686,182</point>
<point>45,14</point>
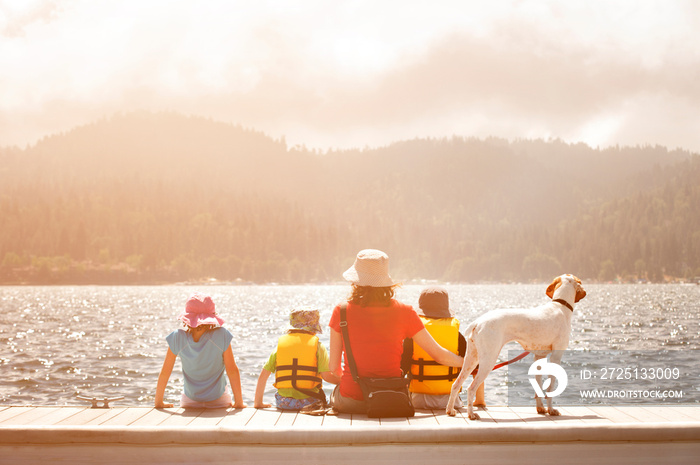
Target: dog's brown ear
<point>553,287</point>
<point>580,292</point>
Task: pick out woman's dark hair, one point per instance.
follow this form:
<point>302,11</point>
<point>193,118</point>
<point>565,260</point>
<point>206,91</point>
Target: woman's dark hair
<point>376,296</point>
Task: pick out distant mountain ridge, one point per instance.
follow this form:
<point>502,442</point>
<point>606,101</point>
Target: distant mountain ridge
<point>146,197</point>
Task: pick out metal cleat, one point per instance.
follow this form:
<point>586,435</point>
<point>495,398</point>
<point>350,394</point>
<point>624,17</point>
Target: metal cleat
<point>100,403</point>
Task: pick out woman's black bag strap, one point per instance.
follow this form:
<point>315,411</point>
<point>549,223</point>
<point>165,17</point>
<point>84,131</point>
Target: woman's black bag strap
<point>346,338</point>
<point>320,395</point>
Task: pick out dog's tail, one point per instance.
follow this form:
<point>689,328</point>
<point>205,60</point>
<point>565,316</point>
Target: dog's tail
<point>468,331</point>
<point>467,336</point>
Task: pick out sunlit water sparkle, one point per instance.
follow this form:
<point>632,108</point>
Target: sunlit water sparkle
<point>57,342</point>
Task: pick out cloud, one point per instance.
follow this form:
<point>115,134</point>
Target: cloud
<point>16,17</point>
<point>473,86</point>
<point>360,73</point>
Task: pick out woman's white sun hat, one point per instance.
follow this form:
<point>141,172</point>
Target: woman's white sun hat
<point>371,268</point>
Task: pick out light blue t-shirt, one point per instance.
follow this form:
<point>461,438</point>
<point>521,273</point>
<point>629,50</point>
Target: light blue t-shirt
<point>202,362</point>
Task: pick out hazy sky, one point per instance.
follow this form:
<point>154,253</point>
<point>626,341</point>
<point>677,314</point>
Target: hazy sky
<point>360,73</point>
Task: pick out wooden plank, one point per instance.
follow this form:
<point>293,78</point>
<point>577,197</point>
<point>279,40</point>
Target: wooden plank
<point>360,419</point>
<point>502,414</point>
<point>7,415</point>
<point>286,418</point>
<point>237,418</point>
<point>584,414</point>
<point>690,410</point>
<point>209,417</point>
<point>566,417</point>
<point>641,414</point>
<point>57,415</point>
<point>342,420</point>
<point>485,416</point>
<point>668,413</point>
<point>127,416</point>
<point>613,414</point>
<point>110,413</point>
<point>423,418</point>
<point>263,418</point>
<point>31,415</point>
<point>154,417</point>
<point>180,416</point>
<point>443,419</point>
<point>530,415</point>
<point>85,417</point>
<point>273,418</point>
<point>398,421</point>
<point>303,420</point>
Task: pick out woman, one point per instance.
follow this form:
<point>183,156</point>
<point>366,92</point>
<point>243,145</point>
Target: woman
<point>377,325</point>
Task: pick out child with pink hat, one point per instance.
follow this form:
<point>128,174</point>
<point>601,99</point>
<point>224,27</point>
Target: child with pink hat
<point>204,348</point>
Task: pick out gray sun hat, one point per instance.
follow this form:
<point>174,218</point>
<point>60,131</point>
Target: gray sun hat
<point>371,268</point>
<point>434,303</point>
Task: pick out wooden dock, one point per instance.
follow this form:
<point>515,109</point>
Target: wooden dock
<point>505,435</point>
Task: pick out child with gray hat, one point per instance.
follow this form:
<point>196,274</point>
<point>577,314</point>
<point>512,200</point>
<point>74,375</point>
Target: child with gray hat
<point>431,382</point>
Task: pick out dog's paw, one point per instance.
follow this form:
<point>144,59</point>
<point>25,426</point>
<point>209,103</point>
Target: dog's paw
<point>554,412</point>
<point>474,416</point>
<point>541,410</point>
<point>451,412</point>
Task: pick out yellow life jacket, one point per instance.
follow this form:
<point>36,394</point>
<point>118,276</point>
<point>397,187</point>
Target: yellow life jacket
<point>297,366</point>
<point>427,375</point>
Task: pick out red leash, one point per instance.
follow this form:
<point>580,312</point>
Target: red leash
<point>502,364</point>
<point>519,357</point>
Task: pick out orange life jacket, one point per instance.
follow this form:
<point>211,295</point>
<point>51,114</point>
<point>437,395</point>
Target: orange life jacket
<point>427,375</point>
<point>297,366</point>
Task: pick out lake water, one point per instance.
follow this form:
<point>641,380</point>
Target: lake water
<point>57,342</point>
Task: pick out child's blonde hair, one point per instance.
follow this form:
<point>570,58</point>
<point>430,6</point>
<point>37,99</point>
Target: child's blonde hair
<point>206,327</point>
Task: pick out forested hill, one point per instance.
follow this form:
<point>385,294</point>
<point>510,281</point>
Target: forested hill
<point>143,198</point>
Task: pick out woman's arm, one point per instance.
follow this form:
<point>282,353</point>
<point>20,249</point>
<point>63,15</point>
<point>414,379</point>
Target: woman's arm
<point>435,350</point>
<point>163,378</point>
<point>330,377</point>
<point>260,389</point>
<point>234,377</point>
<point>336,354</point>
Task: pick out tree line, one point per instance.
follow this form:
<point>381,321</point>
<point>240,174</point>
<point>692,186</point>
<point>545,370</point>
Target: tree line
<point>158,198</point>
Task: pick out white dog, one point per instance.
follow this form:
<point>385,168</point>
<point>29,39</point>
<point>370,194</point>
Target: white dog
<point>543,330</point>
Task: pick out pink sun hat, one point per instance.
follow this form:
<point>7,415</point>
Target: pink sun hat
<point>200,310</point>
